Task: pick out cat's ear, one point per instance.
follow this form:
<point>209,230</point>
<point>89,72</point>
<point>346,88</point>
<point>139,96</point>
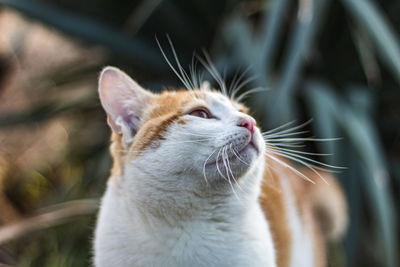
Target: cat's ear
<point>123,100</point>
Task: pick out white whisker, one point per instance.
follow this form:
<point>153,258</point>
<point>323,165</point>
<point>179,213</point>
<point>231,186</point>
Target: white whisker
<point>297,144</point>
<point>306,139</point>
<point>274,130</point>
<point>204,165</point>
<point>301,152</point>
<point>182,76</point>
<point>278,135</point>
<point>233,88</point>
<point>193,73</point>
<point>236,155</point>
<point>251,91</point>
<point>230,170</point>
<point>201,77</point>
<point>311,167</point>
<point>189,141</point>
<point>293,155</point>
<point>239,83</point>
<point>171,66</point>
<point>219,171</point>
<point>182,71</point>
<point>198,134</point>
<point>224,159</point>
<point>289,167</point>
<point>213,71</point>
<point>288,130</point>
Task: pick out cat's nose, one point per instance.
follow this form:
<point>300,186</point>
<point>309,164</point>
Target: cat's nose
<point>248,123</point>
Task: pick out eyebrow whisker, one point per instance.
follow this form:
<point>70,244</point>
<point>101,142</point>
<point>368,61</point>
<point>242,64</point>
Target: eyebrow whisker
<point>251,91</point>
<point>213,71</point>
<point>233,88</point>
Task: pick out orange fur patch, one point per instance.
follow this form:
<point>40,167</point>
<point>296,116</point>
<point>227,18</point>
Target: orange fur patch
<point>307,196</point>
<point>273,203</point>
<point>163,110</point>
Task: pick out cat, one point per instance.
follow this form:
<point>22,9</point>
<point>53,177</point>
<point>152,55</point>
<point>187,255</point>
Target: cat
<point>193,183</point>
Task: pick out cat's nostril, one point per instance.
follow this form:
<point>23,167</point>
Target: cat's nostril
<point>248,123</point>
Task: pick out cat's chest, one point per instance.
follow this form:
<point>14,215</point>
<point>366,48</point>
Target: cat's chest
<point>200,245</point>
<point>127,242</point>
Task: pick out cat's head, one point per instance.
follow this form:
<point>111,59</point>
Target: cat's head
<point>178,139</point>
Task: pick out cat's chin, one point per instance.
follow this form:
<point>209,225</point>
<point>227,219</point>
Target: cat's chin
<point>251,145</point>
<point>239,163</point>
<point>247,156</point>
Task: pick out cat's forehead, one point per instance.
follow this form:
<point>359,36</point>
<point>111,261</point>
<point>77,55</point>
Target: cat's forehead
<point>221,102</point>
<point>175,101</point>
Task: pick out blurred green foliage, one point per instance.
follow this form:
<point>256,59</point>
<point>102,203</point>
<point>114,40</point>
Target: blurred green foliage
<point>335,61</point>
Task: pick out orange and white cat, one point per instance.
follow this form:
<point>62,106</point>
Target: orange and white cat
<point>191,186</point>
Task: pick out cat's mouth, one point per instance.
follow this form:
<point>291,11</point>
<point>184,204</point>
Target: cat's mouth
<point>230,154</point>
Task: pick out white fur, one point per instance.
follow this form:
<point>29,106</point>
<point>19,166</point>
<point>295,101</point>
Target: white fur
<point>301,240</point>
<point>170,208</point>
<point>220,232</point>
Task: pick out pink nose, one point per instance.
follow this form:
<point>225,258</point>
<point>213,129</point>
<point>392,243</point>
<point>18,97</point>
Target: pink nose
<point>248,123</point>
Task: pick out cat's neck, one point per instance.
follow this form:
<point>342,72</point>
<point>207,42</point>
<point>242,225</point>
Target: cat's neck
<point>191,225</point>
<point>212,201</point>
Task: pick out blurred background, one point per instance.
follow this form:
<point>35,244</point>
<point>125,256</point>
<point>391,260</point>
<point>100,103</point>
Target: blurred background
<point>337,62</point>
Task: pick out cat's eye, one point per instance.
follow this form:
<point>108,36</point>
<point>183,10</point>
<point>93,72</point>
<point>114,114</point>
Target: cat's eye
<point>201,113</point>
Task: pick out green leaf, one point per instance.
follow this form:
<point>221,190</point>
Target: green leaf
<point>300,39</point>
<point>270,32</point>
<point>372,20</point>
<point>359,129</point>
